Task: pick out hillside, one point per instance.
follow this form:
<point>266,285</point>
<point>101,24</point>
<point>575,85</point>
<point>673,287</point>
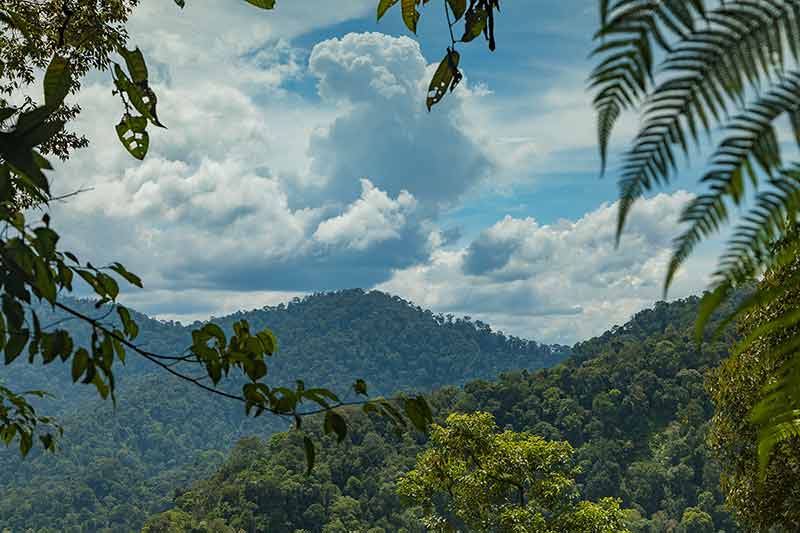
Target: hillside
<point>631,401</point>
<point>116,468</point>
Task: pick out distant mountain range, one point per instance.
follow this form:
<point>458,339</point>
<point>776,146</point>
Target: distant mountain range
<point>116,468</point>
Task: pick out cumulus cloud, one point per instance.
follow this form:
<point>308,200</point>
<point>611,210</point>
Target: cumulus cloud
<point>286,170</point>
<point>372,218</point>
<point>386,133</point>
<point>223,201</point>
<point>558,282</point>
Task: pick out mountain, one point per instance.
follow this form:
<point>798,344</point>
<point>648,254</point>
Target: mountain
<point>631,401</point>
<point>116,467</point>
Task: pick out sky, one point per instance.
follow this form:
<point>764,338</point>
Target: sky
<point>299,157</point>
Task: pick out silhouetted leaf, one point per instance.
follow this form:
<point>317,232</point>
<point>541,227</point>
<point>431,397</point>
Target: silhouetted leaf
<point>384,6</point>
<point>308,444</point>
<point>57,82</point>
<point>446,77</point>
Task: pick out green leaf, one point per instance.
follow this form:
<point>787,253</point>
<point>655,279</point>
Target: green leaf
<point>334,422</point>
<point>25,442</point>
<point>418,412</point>
<point>446,77</point>
<point>40,135</point>
<point>131,278</point>
<point>16,342</point>
<point>474,23</point>
<point>132,133</point>
<point>29,120</point>
<point>384,6</point>
<point>216,332</point>
<point>57,82</point>
<point>458,7</point>
<point>130,327</point>
<point>263,4</point>
<point>181,3</point>
<point>311,454</point>
<point>137,67</point>
<point>410,14</point>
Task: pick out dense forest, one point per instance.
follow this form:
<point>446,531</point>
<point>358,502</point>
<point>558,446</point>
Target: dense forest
<point>631,401</point>
<point>115,467</point>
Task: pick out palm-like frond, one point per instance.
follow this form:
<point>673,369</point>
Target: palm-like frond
<point>748,250</point>
<point>714,59</point>
<point>750,141</point>
<point>706,73</point>
<point>629,32</point>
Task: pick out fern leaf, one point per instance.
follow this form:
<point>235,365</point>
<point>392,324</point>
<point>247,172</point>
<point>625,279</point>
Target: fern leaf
<point>707,73</point>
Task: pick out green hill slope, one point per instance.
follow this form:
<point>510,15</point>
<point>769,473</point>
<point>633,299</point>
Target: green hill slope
<point>115,468</point>
<point>631,401</point>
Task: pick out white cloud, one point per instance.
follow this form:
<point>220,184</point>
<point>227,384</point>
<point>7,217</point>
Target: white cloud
<point>560,282</point>
<point>372,218</point>
<point>386,134</point>
<point>262,188</point>
<point>229,197</point>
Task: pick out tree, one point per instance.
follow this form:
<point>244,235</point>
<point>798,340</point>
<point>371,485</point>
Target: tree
<point>473,476</point>
<point>728,69</point>
<point>735,388</point>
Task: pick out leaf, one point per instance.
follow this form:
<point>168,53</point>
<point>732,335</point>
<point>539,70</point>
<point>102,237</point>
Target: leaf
<point>130,327</point>
<point>360,387</point>
<point>137,67</point>
<point>263,4</point>
<point>80,361</point>
<point>446,76</point>
<point>29,120</point>
<point>410,14</point>
<point>16,342</point>
<point>132,133</point>
<point>57,81</point>
<point>474,23</point>
<point>418,412</point>
<point>133,279</point>
<point>334,422</point>
<point>308,444</point>
<point>7,112</point>
<point>181,3</point>
<point>458,7</point>
<point>384,6</point>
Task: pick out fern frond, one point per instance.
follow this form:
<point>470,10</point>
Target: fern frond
<point>707,73</point>
<point>788,253</point>
<point>757,299</point>
<point>625,71</point>
<point>750,138</point>
<point>777,414</point>
<point>748,251</point>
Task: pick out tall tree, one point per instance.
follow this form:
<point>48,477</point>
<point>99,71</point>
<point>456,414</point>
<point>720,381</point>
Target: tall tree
<point>474,476</point>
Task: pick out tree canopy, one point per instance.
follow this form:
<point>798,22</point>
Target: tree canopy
<point>505,481</point>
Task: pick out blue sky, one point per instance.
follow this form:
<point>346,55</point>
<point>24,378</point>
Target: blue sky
<point>300,157</point>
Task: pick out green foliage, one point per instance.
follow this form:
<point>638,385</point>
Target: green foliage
<point>477,17</point>
<point>165,434</point>
<point>630,402</point>
<point>729,67</point>
<point>506,481</point>
<point>745,421</point>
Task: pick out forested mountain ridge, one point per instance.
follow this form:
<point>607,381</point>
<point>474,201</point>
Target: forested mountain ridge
<point>631,401</point>
<point>115,468</point>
